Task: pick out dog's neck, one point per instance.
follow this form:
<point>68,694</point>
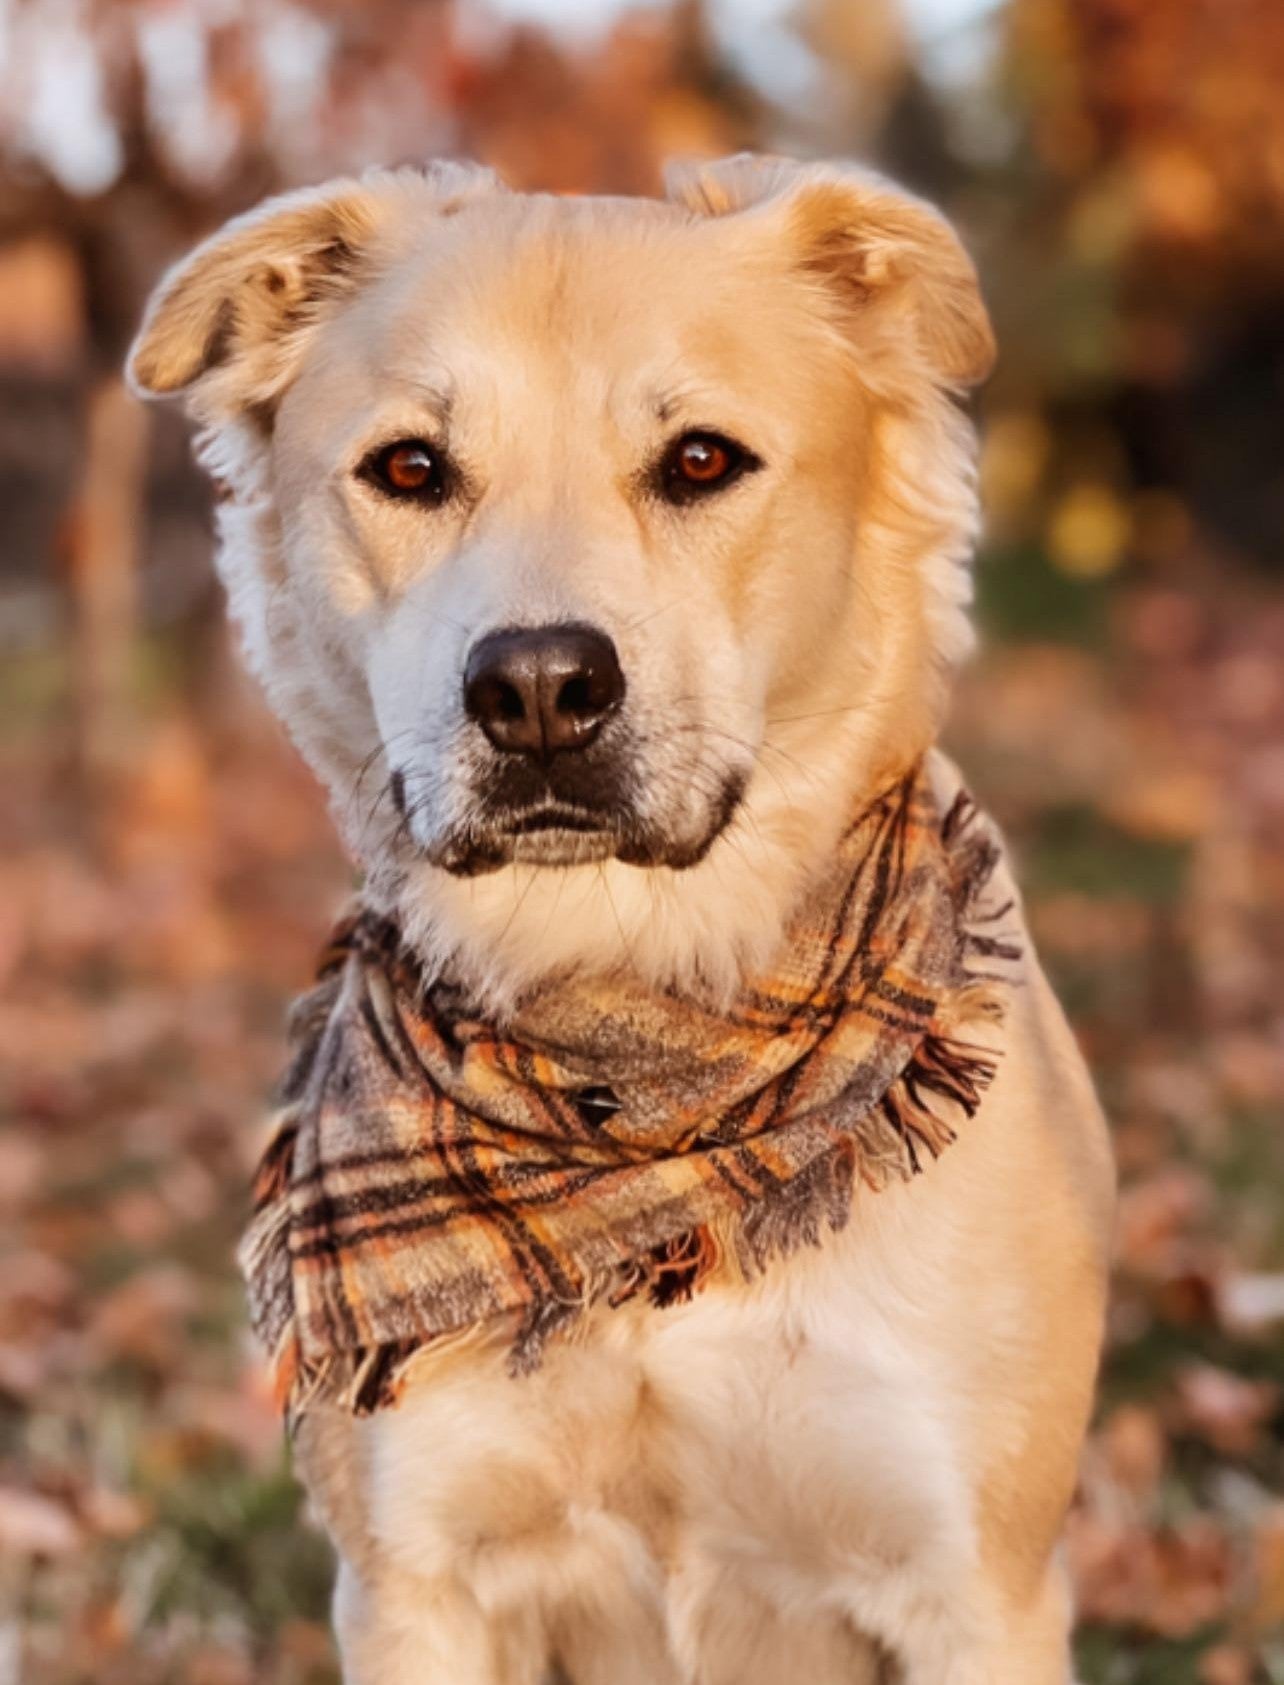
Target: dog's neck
<point>700,929</point>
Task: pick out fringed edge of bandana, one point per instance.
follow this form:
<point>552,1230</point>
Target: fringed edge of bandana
<point>945,1079</point>
<point>365,1380</point>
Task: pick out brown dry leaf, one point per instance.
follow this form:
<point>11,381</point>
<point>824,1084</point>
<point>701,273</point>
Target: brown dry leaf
<point>1268,1571</point>
<point>34,1525</point>
<point>141,1218</point>
<point>218,1665</point>
<point>1167,1580</point>
<point>1226,1664</point>
<point>1188,1297</point>
<point>111,1514</point>
<point>1156,1220</point>
<point>1162,622</point>
<point>106,1628</point>
<point>307,1643</point>
<point>169,797</point>
<point>1084,928</point>
<point>1192,1579</point>
<point>243,1418</point>
<point>23,1369</point>
<point>1173,802</point>
<point>1224,1409</point>
<point>32,1282</point>
<point>1133,1447</point>
<point>141,1317</point>
<point>22,1165</point>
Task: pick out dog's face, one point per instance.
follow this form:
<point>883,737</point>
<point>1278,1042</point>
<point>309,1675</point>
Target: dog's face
<point>554,520</point>
<point>561,463</point>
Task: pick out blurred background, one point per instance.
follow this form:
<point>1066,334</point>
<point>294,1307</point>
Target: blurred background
<point>1118,167</point>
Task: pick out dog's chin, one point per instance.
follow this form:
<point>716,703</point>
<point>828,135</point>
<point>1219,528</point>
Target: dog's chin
<point>558,839</point>
<point>556,845</point>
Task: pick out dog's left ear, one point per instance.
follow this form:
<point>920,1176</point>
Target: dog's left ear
<point>227,325</point>
<point>874,246</point>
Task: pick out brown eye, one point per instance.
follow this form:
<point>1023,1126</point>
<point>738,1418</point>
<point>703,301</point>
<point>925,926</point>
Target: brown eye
<point>703,461</point>
<point>700,463</point>
<point>409,468</point>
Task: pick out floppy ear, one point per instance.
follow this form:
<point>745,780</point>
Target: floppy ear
<point>231,317</point>
<point>875,247</point>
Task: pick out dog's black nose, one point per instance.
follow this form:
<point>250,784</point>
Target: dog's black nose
<point>537,689</point>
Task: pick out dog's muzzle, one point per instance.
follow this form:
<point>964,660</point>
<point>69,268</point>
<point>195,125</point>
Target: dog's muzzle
<point>557,784</point>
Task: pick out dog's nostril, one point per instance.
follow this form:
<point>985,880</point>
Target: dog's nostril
<point>397,784</point>
<point>509,702</point>
<point>575,696</point>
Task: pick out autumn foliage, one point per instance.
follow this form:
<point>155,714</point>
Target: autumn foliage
<point>168,867</point>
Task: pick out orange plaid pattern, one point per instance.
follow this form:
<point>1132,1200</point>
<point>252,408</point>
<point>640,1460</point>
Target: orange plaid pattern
<point>430,1171</point>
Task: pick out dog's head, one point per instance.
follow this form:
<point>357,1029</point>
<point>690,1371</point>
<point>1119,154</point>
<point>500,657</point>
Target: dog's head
<point>598,553</point>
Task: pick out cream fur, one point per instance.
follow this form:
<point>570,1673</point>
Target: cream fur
<point>856,1468</point>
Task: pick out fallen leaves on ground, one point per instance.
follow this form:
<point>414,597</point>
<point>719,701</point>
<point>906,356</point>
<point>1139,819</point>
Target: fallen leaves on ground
<point>151,1532</point>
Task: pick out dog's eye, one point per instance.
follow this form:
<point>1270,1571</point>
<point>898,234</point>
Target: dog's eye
<point>409,468</point>
<point>699,463</point>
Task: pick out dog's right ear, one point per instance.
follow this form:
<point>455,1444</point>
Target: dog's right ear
<point>878,251</point>
<point>231,319</point>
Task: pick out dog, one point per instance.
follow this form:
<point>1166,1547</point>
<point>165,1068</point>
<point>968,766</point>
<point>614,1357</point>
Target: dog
<point>621,548</point>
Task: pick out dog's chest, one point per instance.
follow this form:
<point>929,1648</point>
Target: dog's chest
<point>792,1432</point>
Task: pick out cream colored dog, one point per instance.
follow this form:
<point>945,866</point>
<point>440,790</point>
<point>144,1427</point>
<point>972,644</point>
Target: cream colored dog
<point>499,468</point>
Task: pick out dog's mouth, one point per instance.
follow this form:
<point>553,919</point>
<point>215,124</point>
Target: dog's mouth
<point>556,835</point>
<point>554,817</point>
<point>561,834</point>
<point>576,810</point>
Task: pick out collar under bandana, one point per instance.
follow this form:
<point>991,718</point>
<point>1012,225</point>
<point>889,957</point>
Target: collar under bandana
<point>429,1172</point>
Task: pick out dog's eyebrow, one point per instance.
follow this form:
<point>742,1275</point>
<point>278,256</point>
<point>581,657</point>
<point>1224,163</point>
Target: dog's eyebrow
<point>439,401</point>
<point>667,401</point>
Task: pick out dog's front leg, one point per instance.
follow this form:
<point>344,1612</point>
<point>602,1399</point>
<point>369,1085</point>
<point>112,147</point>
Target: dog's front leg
<point>727,1630</point>
<point>395,1628</point>
<point>1024,1642</point>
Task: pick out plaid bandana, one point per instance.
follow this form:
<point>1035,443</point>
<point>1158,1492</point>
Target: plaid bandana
<point>430,1171</point>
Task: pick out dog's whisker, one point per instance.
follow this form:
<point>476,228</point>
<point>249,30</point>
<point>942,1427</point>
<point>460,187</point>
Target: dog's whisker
<point>362,772</point>
<point>615,911</point>
<point>750,749</point>
<point>820,714</point>
<point>654,614</point>
<point>519,903</point>
<point>554,905</point>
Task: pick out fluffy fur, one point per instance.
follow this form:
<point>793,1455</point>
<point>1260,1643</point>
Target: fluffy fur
<point>856,1468</point>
